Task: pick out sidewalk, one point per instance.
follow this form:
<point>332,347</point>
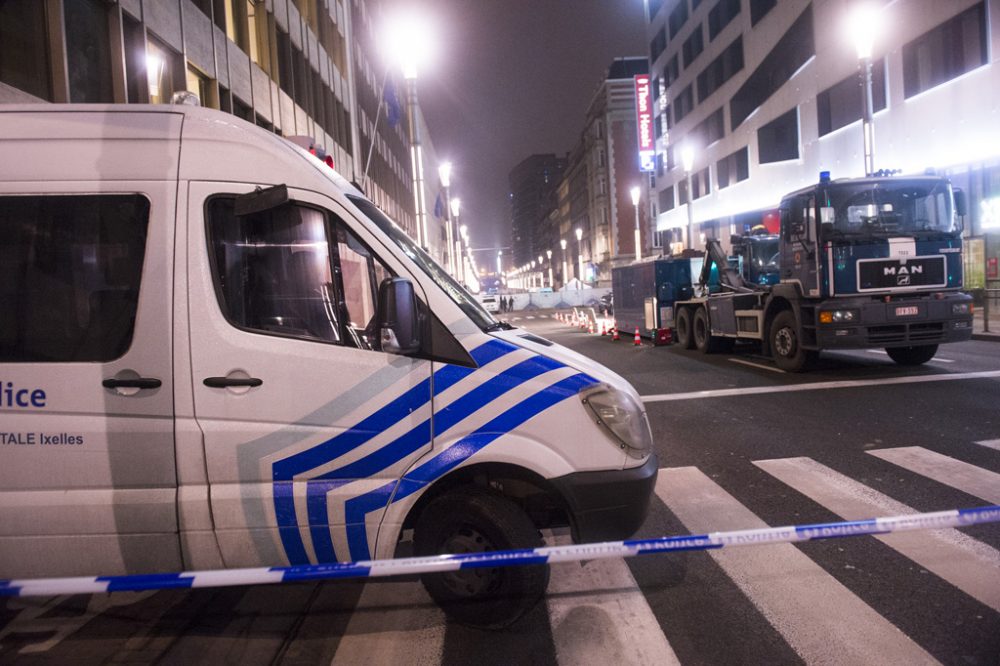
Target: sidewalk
<point>978,332</point>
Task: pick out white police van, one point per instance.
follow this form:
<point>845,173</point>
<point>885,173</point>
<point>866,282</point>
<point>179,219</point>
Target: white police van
<point>216,353</point>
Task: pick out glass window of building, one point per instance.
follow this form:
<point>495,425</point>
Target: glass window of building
<point>693,46</point>
<point>684,104</point>
<point>197,83</point>
<point>778,140</point>
<point>841,104</point>
<point>949,50</point>
<point>794,48</point>
<point>720,70</point>
<point>721,15</point>
<point>678,17</point>
<point>733,168</point>
<point>24,48</point>
<point>88,51</point>
<point>759,9</point>
<point>159,72</point>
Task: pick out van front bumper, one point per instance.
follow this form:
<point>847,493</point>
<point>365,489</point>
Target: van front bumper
<point>608,505</point>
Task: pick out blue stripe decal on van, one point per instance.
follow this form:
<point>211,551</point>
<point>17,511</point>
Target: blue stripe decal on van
<point>146,582</point>
<point>284,471</point>
<point>380,459</point>
<point>356,509</point>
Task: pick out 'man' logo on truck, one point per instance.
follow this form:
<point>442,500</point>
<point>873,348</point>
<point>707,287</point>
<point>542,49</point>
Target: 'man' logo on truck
<point>902,270</point>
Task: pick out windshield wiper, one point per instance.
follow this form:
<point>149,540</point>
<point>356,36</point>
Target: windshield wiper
<point>499,326</point>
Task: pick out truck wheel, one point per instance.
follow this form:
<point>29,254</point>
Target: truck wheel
<point>684,336</point>
<point>703,338</point>
<point>912,355</point>
<point>786,346</point>
<point>472,520</point>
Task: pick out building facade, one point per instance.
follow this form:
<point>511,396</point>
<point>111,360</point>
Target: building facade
<point>532,188</point>
<point>302,68</point>
<point>767,94</point>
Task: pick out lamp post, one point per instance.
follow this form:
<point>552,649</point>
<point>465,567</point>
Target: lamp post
<point>579,247</point>
<point>532,275</point>
<point>444,173</point>
<point>687,157</point>
<point>455,207</point>
<point>635,192</point>
<point>541,273</point>
<point>565,274</point>
<point>864,25</point>
<point>499,262</point>
<point>463,237</point>
<point>548,254</point>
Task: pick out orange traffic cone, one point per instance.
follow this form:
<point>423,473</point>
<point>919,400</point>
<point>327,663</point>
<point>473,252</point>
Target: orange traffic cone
<point>590,327</point>
<point>604,331</point>
<point>614,335</point>
<point>637,342</point>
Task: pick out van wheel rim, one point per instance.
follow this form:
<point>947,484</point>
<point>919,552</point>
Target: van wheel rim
<point>470,582</point>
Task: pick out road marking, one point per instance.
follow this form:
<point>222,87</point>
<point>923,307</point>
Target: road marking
<point>756,365</point>
<point>964,562</point>
<point>530,317</point>
<point>820,386</point>
<point>885,353</point>
<point>588,603</point>
<point>393,623</point>
<point>823,621</point>
<point>970,479</point>
<point>990,443</point>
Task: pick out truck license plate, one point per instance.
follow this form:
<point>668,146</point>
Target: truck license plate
<point>907,310</point>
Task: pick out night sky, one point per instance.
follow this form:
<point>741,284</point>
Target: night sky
<point>512,78</point>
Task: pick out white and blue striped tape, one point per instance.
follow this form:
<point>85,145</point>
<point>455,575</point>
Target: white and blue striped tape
<point>545,555</point>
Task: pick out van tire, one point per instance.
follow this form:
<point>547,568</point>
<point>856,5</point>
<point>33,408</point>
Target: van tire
<point>475,519</point>
<point>912,355</point>
<point>685,338</point>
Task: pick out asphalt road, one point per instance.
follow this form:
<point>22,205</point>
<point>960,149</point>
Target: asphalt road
<point>740,444</point>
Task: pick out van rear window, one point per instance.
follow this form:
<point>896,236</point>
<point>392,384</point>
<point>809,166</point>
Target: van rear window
<point>69,276</point>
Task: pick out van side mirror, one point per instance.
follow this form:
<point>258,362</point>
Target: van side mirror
<point>961,205</point>
<point>398,319</point>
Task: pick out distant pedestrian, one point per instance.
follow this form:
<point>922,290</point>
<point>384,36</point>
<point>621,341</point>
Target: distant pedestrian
<point>510,304</point>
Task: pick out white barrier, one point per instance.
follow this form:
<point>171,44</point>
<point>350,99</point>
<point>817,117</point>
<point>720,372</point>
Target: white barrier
<point>545,555</point>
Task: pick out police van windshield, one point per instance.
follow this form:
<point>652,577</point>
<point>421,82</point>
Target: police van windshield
<point>900,207</point>
<point>468,303</point>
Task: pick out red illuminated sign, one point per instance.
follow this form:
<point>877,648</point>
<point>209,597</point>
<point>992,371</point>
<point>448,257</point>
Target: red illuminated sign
<point>644,122</point>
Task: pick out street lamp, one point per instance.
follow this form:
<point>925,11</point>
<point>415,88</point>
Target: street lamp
<point>548,253</point>
<point>687,158</point>
<point>455,206</point>
<point>541,275</point>
<point>565,274</point>
<point>864,25</point>
<point>579,247</point>
<point>444,173</point>
<point>408,42</point>
<point>499,262</point>
<point>463,237</point>
<point>635,192</point>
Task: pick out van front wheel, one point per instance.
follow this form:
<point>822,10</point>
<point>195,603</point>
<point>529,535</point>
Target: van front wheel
<point>472,520</point>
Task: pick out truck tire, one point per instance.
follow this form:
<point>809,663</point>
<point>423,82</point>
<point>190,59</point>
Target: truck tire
<point>912,355</point>
<point>685,337</point>
<point>473,519</point>
<point>786,346</point>
<point>703,338</point>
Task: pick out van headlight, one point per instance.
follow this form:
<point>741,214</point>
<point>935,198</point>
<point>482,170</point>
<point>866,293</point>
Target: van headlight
<point>619,414</point>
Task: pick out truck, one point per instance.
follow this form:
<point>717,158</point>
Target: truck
<point>860,263</point>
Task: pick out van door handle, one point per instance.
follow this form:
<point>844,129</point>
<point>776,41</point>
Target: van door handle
<point>136,382</point>
<point>223,382</point>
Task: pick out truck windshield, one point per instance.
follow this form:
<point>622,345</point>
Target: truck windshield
<point>466,301</point>
<point>897,208</point>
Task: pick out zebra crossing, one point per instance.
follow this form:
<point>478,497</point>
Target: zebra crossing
<point>598,613</point>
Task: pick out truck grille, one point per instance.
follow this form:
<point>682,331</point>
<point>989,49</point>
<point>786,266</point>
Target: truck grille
<point>932,332</point>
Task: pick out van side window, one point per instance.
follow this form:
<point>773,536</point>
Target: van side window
<point>361,273</point>
<point>70,268</point>
<point>278,272</point>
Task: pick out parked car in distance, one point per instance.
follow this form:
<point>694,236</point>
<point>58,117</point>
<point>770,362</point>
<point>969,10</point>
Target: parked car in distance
<point>491,302</point>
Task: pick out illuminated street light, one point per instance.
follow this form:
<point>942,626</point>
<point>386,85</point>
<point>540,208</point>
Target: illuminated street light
<point>565,274</point>
<point>863,27</point>
<point>408,43</point>
<point>579,247</point>
<point>687,158</point>
<point>548,253</point>
<point>635,192</point>
<point>444,173</point>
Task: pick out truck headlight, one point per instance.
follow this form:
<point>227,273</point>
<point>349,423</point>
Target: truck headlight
<point>838,316</point>
<point>961,308</point>
<point>619,414</point>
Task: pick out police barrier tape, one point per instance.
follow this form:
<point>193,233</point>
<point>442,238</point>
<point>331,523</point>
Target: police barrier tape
<point>545,555</point>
